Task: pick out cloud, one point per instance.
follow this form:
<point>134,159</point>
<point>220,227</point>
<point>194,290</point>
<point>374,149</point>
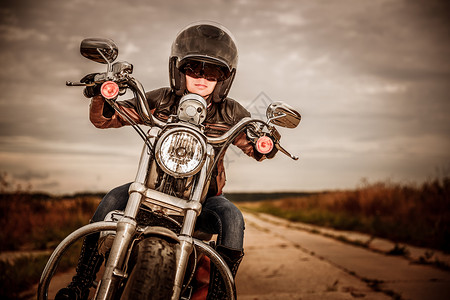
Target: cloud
<point>382,88</point>
<point>130,48</point>
<point>14,34</point>
<point>29,144</point>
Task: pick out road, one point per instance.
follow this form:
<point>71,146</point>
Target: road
<point>285,263</point>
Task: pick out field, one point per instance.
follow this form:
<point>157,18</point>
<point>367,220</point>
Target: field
<point>414,214</point>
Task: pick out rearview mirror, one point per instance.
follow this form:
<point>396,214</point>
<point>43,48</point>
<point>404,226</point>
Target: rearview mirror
<point>281,114</point>
<point>99,50</point>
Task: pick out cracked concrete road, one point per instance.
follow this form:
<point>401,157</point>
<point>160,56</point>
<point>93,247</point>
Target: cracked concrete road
<point>287,263</point>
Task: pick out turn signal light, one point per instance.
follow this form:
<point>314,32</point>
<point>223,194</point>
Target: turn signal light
<point>264,144</point>
<point>109,90</point>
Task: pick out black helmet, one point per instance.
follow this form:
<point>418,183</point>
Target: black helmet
<point>205,42</point>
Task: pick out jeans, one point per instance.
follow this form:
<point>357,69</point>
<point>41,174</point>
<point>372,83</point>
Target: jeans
<point>219,216</point>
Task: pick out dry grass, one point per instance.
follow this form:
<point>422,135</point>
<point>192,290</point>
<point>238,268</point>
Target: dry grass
<point>30,222</point>
<point>419,215</point>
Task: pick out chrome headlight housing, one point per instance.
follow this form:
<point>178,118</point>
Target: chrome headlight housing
<point>180,152</point>
<point>192,109</point>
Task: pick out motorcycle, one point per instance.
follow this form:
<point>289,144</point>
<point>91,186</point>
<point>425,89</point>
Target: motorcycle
<point>152,248</point>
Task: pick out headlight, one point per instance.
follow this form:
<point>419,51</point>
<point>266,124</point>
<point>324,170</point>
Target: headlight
<point>181,152</point>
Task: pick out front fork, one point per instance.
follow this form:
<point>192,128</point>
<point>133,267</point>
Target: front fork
<point>187,229</point>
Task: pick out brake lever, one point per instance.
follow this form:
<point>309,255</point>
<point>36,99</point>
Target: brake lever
<point>70,83</point>
<point>99,78</point>
<point>284,151</point>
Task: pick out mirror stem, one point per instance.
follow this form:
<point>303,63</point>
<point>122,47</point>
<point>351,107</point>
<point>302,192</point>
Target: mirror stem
<point>276,117</point>
<point>109,72</point>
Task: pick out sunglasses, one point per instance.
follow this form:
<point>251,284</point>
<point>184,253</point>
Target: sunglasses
<point>205,70</point>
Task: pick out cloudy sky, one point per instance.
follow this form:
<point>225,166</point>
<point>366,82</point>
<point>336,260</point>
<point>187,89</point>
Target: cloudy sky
<point>370,78</point>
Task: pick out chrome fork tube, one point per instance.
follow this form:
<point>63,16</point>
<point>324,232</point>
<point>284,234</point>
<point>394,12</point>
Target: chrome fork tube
<point>125,232</point>
<point>187,230</point>
<point>126,228</point>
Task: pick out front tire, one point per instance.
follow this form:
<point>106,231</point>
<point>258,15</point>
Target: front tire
<point>153,275</point>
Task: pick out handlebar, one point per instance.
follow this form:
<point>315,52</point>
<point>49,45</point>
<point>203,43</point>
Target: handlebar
<point>147,117</point>
<point>233,130</point>
<point>143,109</point>
<point>237,128</point>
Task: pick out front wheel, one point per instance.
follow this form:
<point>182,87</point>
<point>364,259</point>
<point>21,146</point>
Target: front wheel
<point>153,275</point>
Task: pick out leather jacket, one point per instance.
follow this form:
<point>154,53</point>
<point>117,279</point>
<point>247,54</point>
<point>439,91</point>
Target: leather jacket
<point>163,102</point>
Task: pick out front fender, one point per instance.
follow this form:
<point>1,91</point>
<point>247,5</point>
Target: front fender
<point>54,259</point>
<point>162,232</point>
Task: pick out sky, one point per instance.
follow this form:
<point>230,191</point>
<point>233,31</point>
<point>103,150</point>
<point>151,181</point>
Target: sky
<point>370,78</point>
